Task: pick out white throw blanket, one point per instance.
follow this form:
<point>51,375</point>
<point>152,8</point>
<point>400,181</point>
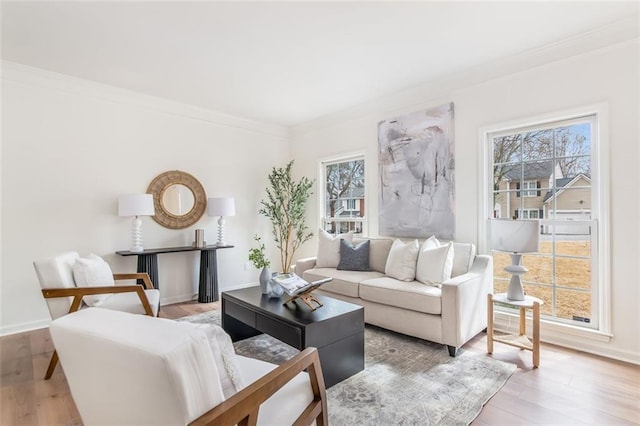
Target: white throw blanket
<point>224,355</point>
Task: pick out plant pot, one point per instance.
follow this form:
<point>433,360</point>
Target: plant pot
<point>265,277</point>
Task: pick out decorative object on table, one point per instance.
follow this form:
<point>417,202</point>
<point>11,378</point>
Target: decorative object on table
<point>222,207</point>
<point>199,241</point>
<point>179,199</point>
<point>305,295</point>
<point>298,288</point>
<point>258,257</point>
<point>275,290</point>
<point>285,206</point>
<point>516,237</point>
<point>136,205</point>
<point>416,158</point>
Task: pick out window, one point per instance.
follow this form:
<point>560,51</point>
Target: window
<point>546,172</point>
<point>342,198</point>
<point>528,214</point>
<point>529,188</point>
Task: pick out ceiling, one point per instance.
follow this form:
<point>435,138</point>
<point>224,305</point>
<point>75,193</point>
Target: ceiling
<point>290,62</point>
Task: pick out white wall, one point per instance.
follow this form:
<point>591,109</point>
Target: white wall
<point>70,147</point>
<point>609,75</point>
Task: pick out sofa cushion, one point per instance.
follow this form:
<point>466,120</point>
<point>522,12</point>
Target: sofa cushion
<point>329,248</point>
<point>407,295</point>
<point>434,263</point>
<point>284,406</point>
<point>401,263</point>
<point>130,302</point>
<point>463,256</point>
<point>378,252</point>
<point>354,257</point>
<point>344,282</point>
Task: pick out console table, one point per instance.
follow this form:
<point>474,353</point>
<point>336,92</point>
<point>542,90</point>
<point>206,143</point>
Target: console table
<point>208,288</point>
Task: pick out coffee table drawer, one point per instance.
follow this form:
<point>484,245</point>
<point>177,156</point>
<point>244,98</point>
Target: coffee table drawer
<point>280,330</point>
<point>241,313</point>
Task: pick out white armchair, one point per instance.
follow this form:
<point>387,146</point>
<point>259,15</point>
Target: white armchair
<point>135,369</point>
<point>56,277</point>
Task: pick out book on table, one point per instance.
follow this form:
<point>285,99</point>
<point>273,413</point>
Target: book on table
<point>293,284</point>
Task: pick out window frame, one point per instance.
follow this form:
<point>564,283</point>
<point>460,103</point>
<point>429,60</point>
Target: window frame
<point>322,164</point>
<point>599,206</point>
<point>527,190</point>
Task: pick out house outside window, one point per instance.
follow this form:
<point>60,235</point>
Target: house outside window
<point>545,172</point>
<point>343,194</point>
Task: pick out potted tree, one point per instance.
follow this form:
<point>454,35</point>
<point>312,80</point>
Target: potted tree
<point>285,206</point>
<point>258,257</point>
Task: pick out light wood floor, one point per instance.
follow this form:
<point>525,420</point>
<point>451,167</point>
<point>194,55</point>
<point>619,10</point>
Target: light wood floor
<point>570,387</point>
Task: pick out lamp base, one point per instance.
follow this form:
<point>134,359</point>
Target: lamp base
<point>515,291</point>
<point>136,235</point>
<point>220,241</point>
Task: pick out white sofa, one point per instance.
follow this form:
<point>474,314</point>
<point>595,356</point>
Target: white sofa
<point>139,370</point>
<point>450,314</point>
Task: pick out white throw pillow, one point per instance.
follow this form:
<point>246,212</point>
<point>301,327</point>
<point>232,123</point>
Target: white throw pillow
<point>329,248</point>
<point>434,263</point>
<point>93,271</point>
<point>401,263</point>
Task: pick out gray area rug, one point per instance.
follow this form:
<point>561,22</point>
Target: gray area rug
<point>406,381</point>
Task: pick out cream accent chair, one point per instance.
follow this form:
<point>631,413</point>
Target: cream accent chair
<point>62,296</point>
<point>137,370</point>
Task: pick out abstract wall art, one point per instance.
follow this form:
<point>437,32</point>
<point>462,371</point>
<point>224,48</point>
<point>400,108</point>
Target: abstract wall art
<point>417,164</point>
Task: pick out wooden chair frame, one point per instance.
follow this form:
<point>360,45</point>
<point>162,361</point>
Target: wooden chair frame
<point>79,292</point>
<point>242,408</point>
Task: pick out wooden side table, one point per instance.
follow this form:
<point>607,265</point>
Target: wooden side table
<point>518,340</point>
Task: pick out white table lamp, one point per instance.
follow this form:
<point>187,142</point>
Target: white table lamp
<point>516,237</point>
<point>222,207</point>
<point>136,205</point>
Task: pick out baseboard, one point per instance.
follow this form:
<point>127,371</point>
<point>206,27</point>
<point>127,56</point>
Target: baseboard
<point>23,327</point>
<point>580,340</point>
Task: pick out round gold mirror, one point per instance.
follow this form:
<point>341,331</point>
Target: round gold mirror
<point>179,199</point>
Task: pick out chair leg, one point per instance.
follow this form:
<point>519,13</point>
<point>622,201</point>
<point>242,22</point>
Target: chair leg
<point>52,365</point>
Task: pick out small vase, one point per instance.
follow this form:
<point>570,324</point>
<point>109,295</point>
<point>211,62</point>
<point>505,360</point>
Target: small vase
<point>265,277</point>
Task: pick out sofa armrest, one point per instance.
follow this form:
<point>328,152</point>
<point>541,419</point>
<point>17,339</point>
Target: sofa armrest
<point>464,308</point>
<point>304,264</point>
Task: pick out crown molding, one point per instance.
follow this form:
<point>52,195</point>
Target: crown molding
<point>611,36</point>
<point>12,71</point>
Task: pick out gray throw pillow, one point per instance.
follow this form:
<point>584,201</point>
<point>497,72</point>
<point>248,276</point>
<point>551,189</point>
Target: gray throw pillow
<point>354,258</point>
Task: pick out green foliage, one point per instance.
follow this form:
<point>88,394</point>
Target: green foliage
<point>285,206</point>
<point>258,256</point>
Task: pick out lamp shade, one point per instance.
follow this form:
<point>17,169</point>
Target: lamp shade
<point>135,205</point>
<point>516,236</point>
<point>222,206</point>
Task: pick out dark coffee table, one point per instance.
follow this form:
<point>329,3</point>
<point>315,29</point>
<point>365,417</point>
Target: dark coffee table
<point>336,329</point>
